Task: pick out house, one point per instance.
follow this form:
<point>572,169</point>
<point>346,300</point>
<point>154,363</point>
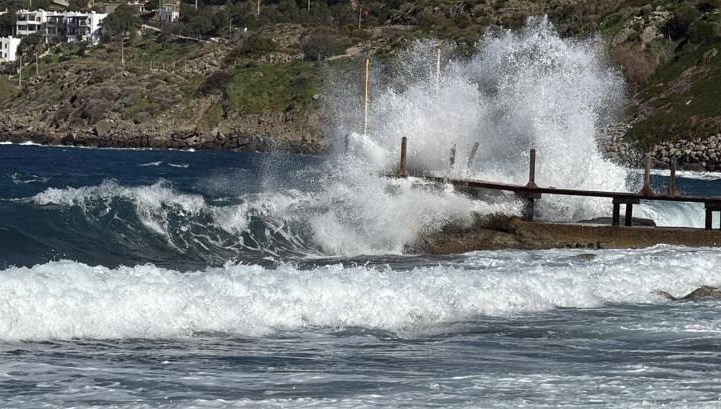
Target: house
<point>8,49</point>
<point>64,26</point>
<point>168,13</point>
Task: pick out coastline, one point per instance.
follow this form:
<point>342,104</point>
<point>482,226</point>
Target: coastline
<point>287,134</point>
<point>124,135</point>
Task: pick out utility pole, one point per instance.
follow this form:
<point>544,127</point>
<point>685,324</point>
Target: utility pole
<point>258,12</point>
<point>308,6</point>
<point>37,71</point>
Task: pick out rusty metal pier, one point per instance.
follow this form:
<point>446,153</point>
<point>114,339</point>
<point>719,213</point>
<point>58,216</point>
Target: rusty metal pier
<point>532,192</point>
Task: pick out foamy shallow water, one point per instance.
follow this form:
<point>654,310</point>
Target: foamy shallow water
<point>501,329</point>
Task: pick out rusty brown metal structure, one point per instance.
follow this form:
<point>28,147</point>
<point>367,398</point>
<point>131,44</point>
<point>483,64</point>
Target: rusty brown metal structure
<point>532,192</point>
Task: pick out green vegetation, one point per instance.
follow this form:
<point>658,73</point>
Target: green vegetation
<point>7,90</point>
<point>238,61</point>
<point>277,87</point>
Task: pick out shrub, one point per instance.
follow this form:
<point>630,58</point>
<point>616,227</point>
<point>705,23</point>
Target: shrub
<point>215,83</point>
<point>678,26</point>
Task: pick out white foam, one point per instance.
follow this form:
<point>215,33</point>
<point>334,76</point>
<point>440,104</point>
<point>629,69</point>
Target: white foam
<point>523,90</point>
<point>65,299</point>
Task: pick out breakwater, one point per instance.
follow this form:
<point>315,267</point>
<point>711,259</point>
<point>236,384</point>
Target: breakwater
<point>690,154</point>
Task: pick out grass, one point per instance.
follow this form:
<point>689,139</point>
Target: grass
<point>7,90</point>
<point>279,87</point>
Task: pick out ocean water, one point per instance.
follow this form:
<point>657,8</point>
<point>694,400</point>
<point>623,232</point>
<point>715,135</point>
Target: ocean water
<point>180,279</point>
<point>144,279</point>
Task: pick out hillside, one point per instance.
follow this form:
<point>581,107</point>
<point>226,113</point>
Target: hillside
<point>257,81</point>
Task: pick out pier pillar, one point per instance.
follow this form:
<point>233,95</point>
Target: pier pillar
<point>647,190</point>
<point>530,204</point>
<point>532,170</point>
<point>672,179</point>
<point>711,207</point>
<point>472,155</point>
<point>403,169</point>
<point>453,156</point>
<point>629,202</point>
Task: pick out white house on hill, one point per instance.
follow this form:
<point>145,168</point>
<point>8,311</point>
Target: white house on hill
<point>8,48</point>
<point>67,26</point>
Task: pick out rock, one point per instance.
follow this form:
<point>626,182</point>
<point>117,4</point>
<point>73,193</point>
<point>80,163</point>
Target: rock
<point>708,56</point>
<point>102,128</point>
<point>704,292</point>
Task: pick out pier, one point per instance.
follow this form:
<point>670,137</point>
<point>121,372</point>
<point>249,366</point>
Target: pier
<point>531,192</point>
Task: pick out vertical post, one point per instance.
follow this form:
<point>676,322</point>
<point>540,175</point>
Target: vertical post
<point>403,169</point>
<point>629,214</point>
<point>473,154</point>
<point>646,190</point>
<point>258,12</point>
<point>529,209</point>
<point>616,220</point>
<point>367,85</point>
<point>672,179</point>
<point>532,170</point>
<point>709,218</point>
<point>37,70</point>
<point>453,156</point>
<point>360,13</point>
<point>20,72</point>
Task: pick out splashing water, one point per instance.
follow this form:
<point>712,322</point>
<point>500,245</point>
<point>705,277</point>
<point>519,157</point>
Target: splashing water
<point>522,90</point>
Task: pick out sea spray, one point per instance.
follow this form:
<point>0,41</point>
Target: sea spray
<point>522,89</point>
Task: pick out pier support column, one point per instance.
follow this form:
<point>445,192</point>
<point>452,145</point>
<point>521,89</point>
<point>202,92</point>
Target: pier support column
<point>403,168</point>
<point>532,170</point>
<point>530,204</point>
<point>711,207</point>
<point>647,190</point>
<point>629,202</point>
<point>672,179</point>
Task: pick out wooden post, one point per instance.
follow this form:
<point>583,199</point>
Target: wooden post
<point>672,179</point>
<point>473,154</point>
<point>532,170</point>
<point>403,169</point>
<point>647,190</point>
<point>453,156</point>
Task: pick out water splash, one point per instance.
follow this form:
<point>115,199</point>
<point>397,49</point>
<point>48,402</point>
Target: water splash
<point>522,90</point>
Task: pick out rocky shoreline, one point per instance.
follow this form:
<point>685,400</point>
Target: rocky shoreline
<point>270,132</point>
<point>275,135</point>
<point>701,155</point>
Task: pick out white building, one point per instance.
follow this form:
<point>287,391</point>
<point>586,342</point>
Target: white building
<point>8,48</point>
<point>168,13</point>
<point>66,26</point>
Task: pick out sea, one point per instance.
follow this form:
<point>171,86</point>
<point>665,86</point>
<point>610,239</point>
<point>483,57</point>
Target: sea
<point>181,279</point>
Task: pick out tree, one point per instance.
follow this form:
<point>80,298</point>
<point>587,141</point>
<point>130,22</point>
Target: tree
<point>31,46</point>
<point>122,22</point>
